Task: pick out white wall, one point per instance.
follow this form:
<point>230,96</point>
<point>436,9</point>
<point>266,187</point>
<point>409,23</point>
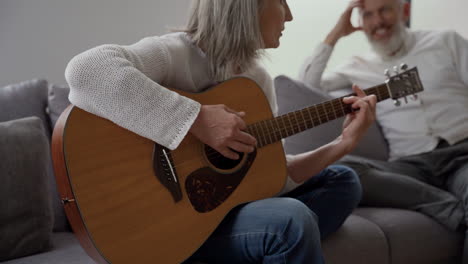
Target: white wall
<point>39,37</point>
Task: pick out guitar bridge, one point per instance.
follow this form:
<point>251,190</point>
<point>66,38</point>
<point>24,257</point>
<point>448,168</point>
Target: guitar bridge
<point>165,172</point>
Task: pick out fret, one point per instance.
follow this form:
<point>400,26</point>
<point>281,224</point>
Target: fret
<point>334,106</point>
<point>304,119</point>
<point>325,111</point>
<point>298,124</point>
<point>319,119</point>
<point>265,126</point>
<point>261,135</point>
<point>310,116</point>
<point>341,106</point>
<point>291,124</point>
<point>279,128</point>
<point>368,91</point>
<point>272,131</point>
<point>333,109</point>
<point>254,128</point>
<point>285,127</point>
<point>320,114</point>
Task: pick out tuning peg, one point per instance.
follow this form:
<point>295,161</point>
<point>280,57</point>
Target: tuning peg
<point>395,70</point>
<point>403,67</point>
<point>414,97</point>
<point>387,73</point>
<point>396,102</point>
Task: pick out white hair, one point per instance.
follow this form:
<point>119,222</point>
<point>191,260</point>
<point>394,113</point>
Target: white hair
<point>228,31</point>
<point>397,44</point>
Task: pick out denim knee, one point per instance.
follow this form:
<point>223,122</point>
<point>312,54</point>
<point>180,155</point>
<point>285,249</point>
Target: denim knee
<point>294,217</point>
<point>292,234</point>
<point>349,181</point>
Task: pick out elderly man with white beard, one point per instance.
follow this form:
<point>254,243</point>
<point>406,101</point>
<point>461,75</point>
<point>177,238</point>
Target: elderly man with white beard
<point>428,137</point>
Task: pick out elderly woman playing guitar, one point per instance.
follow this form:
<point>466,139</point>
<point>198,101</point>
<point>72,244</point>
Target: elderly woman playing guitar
<point>145,88</point>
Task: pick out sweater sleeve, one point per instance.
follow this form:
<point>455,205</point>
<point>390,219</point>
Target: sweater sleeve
<point>122,84</point>
<point>313,71</point>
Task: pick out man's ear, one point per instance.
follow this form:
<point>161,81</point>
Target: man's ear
<point>406,12</point>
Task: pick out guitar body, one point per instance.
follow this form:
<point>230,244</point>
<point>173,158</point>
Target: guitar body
<point>118,206</point>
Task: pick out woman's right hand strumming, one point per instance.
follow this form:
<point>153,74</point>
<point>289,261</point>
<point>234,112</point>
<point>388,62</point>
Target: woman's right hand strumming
<point>223,129</point>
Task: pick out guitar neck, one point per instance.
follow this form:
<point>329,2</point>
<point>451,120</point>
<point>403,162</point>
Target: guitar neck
<point>272,130</point>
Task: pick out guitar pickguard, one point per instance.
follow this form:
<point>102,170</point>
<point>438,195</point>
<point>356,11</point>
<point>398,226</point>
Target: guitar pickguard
<point>207,188</point>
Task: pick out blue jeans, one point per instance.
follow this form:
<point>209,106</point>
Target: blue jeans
<point>285,229</point>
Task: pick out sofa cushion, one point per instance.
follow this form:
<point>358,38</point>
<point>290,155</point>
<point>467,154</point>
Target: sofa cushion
<point>26,216</point>
<point>57,102</point>
<point>294,95</point>
<point>66,250</point>
<point>24,99</point>
<point>357,241</point>
<point>413,237</point>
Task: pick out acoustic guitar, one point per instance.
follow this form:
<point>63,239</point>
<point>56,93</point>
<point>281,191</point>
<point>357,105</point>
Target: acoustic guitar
<point>130,200</point>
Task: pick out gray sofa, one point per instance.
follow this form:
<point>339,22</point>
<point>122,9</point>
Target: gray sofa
<point>34,229</point>
<point>33,226</point>
<point>369,235</point>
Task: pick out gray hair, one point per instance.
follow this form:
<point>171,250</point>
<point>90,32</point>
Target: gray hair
<point>228,31</point>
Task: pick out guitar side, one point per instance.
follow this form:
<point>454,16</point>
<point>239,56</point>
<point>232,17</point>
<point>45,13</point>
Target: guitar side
<point>121,212</point>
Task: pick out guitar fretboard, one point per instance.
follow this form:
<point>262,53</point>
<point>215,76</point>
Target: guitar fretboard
<point>272,130</point>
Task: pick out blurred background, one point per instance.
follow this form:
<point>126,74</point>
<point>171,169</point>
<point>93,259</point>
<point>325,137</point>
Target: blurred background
<point>39,37</point>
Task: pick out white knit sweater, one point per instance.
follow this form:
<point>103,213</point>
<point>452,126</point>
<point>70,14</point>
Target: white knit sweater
<point>126,84</point>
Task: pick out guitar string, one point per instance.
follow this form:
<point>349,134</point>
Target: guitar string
<point>273,134</point>
<point>313,120</point>
<point>376,90</point>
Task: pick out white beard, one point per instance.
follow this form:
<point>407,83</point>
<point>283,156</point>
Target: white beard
<point>395,46</point>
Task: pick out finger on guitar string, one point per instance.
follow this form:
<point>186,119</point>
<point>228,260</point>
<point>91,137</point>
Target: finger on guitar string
<point>218,126</point>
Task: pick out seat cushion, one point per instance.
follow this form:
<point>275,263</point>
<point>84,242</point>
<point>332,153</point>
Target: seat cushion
<point>358,241</point>
<point>26,215</point>
<point>66,249</point>
<point>413,237</point>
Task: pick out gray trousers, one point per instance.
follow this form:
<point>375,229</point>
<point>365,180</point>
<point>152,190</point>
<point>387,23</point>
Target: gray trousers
<point>433,183</point>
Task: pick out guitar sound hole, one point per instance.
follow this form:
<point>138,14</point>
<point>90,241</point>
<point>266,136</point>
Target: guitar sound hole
<point>219,161</point>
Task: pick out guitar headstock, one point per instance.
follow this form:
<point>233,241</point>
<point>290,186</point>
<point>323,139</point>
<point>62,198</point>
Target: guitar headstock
<point>403,84</point>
